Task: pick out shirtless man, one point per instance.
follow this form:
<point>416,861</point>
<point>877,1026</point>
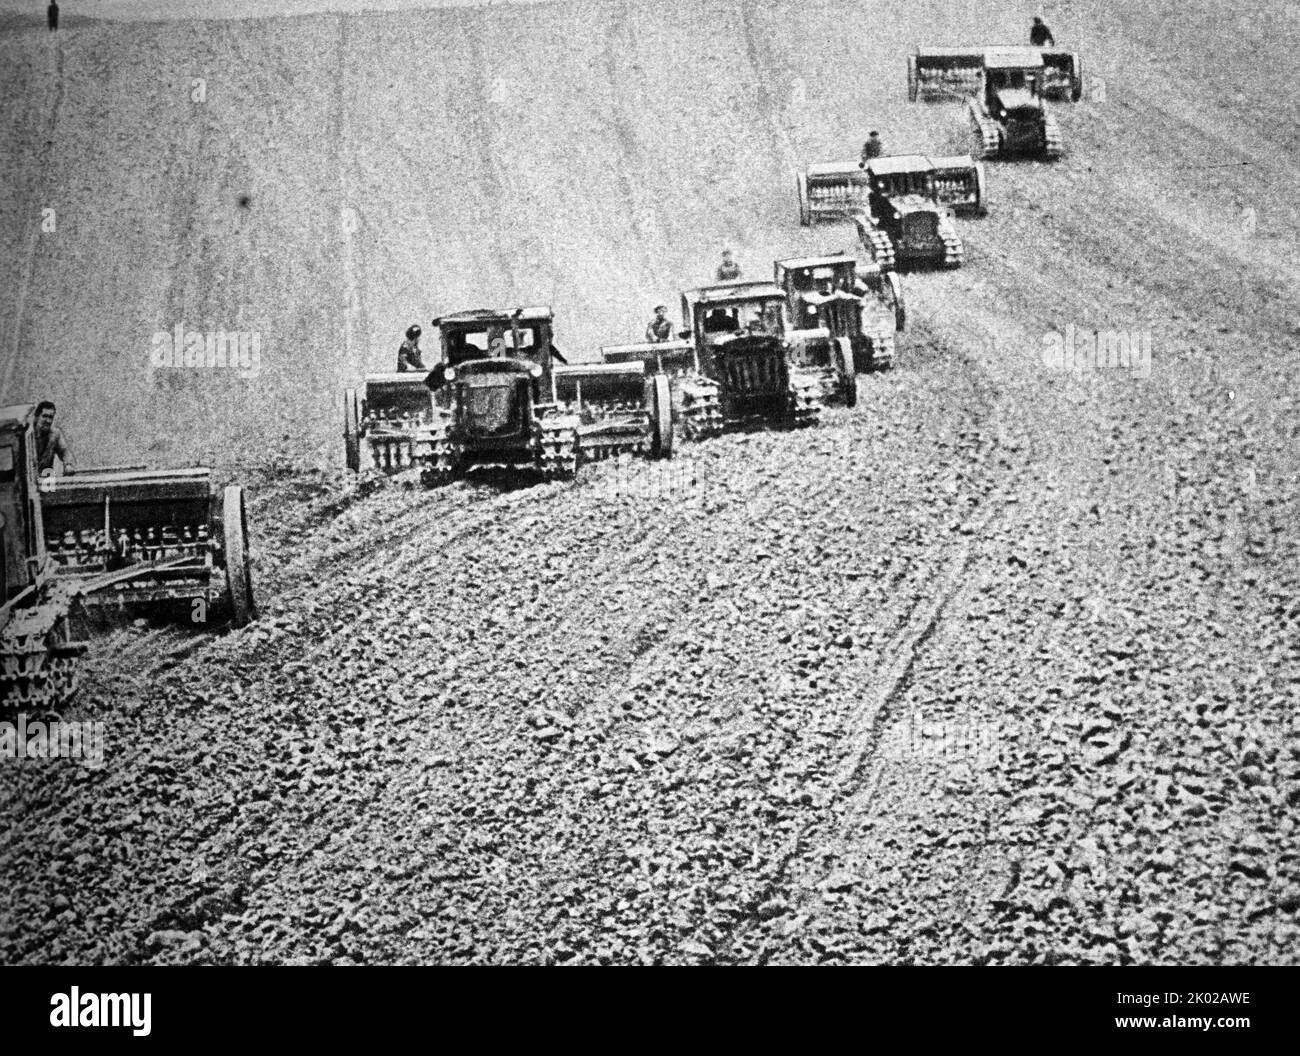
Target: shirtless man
<point>50,442</point>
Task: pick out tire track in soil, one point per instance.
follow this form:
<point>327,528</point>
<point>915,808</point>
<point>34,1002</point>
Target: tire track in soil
<point>553,617</point>
<point>349,218</point>
<point>903,652</point>
<point>480,134</point>
<point>896,663</point>
<point>619,44</point>
<point>782,149</point>
<point>558,604</point>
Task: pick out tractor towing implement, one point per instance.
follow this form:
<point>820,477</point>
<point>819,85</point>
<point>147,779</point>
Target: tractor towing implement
<point>504,395</point>
<point>104,538</point>
<point>1006,91</point>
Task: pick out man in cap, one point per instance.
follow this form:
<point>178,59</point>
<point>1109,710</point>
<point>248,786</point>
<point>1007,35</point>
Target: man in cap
<point>1040,36</point>
<point>408,356</point>
<point>872,148</point>
<point>728,270</point>
<point>661,327</point>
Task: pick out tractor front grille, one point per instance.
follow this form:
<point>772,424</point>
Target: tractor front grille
<point>494,410</point>
<point>920,229</point>
<point>755,374</point>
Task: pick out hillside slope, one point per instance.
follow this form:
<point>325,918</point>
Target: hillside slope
<point>596,157</point>
<point>999,666</point>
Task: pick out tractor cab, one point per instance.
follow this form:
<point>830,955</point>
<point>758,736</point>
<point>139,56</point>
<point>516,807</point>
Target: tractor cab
<point>903,199</point>
<point>495,386</point>
<point>523,334</point>
<point>385,425</point>
<point>821,293</point>
<point>740,332</point>
<point>845,314</point>
<point>905,205</point>
<point>495,371</point>
<point>752,313</point>
<point>1013,84</point>
<point>900,174</point>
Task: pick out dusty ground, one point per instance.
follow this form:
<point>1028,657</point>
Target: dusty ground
<point>1000,666</point>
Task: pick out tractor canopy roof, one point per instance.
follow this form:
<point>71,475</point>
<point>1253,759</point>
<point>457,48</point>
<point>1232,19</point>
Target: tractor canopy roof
<point>829,260</point>
<point>897,163</point>
<point>16,416</point>
<point>488,316</point>
<point>734,293</point>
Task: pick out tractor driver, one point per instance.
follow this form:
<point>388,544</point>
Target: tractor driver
<point>1040,36</point>
<point>719,321</point>
<point>408,356</point>
<point>50,442</point>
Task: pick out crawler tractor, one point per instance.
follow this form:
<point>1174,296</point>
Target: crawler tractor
<point>844,190</point>
<point>957,73</point>
<point>859,306</point>
<point>503,399</point>
<point>908,220</point>
<point>901,204</point>
<point>1006,89</point>
<point>746,357</point>
<point>103,538</point>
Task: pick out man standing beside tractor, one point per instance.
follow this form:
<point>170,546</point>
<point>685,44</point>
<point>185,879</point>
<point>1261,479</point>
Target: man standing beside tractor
<point>661,327</point>
<point>408,356</point>
<point>1040,36</point>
